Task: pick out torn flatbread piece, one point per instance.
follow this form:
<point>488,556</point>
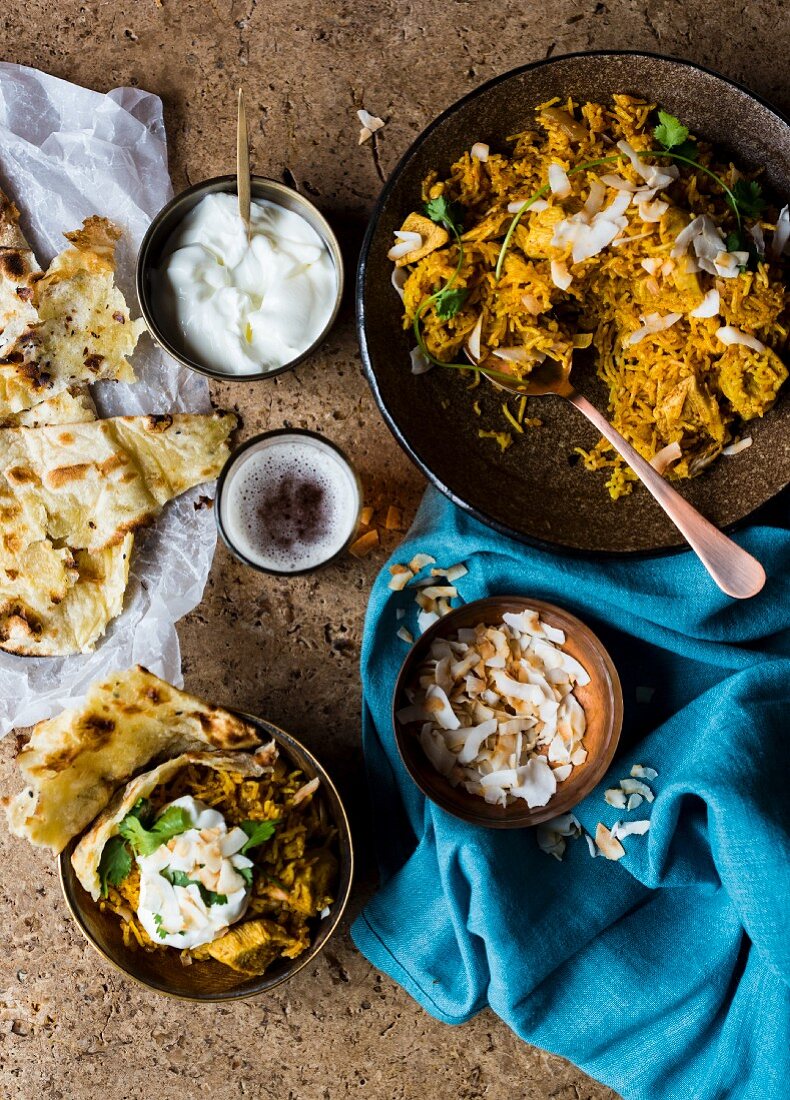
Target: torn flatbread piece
<point>19,271</point>
<point>74,763</point>
<point>86,857</point>
<point>81,331</point>
<point>71,406</point>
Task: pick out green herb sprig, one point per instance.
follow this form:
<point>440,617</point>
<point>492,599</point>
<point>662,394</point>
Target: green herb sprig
<point>181,878</point>
<point>258,832</point>
<point>174,821</point>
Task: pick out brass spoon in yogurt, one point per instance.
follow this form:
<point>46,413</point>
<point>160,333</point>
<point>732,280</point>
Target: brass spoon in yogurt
<point>734,571</point>
<point>243,164</point>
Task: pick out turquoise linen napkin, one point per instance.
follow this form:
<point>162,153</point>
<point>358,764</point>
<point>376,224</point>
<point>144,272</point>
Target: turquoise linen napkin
<point>664,975</point>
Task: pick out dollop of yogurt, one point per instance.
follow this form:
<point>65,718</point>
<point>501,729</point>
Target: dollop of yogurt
<point>244,306</point>
<point>209,856</point>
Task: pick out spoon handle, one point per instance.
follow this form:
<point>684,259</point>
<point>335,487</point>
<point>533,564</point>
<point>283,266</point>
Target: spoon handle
<point>243,165</point>
<point>734,571</point>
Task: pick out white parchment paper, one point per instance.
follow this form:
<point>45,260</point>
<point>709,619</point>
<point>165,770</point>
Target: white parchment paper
<point>66,153</point>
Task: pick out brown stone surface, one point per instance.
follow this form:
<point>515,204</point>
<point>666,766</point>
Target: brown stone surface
<point>71,1027</point>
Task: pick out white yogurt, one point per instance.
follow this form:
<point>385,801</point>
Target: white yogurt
<point>242,307</point>
<point>209,854</point>
<point>289,504</point>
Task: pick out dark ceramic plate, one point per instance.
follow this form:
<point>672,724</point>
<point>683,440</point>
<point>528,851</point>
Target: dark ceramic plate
<point>532,491</point>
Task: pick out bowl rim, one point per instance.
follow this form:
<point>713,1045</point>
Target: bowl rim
<point>143,267</point>
<point>361,317</point>
<point>247,445</point>
<point>346,881</point>
<point>598,768</point>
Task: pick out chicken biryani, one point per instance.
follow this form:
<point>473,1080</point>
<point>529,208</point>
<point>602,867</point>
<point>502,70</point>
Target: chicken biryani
<point>610,228</point>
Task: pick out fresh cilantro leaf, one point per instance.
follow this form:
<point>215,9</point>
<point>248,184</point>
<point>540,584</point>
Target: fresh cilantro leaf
<point>162,932</point>
<point>687,149</point>
<point>735,242</point>
<point>246,874</point>
<point>443,212</point>
<point>258,832</point>
<point>115,863</point>
<point>172,822</point>
<point>181,878</point>
<point>670,131</point>
<point>748,195</point>
<point>448,302</point>
<point>142,810</point>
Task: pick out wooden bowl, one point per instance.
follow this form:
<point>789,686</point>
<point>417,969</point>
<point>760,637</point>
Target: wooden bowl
<point>602,700</point>
<point>209,980</point>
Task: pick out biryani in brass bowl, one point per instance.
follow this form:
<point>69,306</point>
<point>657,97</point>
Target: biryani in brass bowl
<point>214,874</point>
<point>623,213</point>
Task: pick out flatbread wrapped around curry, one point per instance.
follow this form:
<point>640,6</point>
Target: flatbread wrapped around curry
<point>223,855</point>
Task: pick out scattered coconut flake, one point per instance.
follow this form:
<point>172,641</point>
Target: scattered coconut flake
<point>560,275</point>
<point>651,324</point>
<point>426,619</point>
<point>325,912</point>
<point>400,577</point>
<point>363,545</point>
<point>562,772</point>
<point>518,206</point>
<point>594,200</point>
<point>709,306</point>
<point>473,343</point>
<point>455,572</point>
<point>641,772</point>
<point>608,845</point>
<point>393,520</point>
<point>398,279</point>
<point>420,363</point>
<point>419,561</point>
<point>729,264</point>
<point>757,235</point>
<point>652,211</point>
<point>591,845</point>
<point>617,182</point>
<point>531,304</point>
<point>736,448</point>
<point>615,798</point>
<point>728,334</point>
<point>653,176</point>
<point>651,264</point>
<point>480,151</point>
<point>781,233</point>
<point>558,181</point>
<point>370,124</point>
<point>634,786</point>
<point>405,635</point>
<point>634,800</point>
<point>405,242</point>
<point>435,749</point>
<point>631,828</point>
<point>666,456</point>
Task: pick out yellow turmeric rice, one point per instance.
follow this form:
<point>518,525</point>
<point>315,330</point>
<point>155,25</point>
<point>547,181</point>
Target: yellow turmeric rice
<point>645,257</point>
<point>294,872</point>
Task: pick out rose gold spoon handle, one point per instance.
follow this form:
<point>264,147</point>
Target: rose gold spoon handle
<point>243,165</point>
<point>734,571</point>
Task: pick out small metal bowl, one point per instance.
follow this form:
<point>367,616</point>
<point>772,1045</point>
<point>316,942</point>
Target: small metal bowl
<point>209,980</point>
<point>602,700</point>
<point>156,240</point>
<point>250,444</point>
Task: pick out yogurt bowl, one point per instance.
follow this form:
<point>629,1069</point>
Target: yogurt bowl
<point>220,308</point>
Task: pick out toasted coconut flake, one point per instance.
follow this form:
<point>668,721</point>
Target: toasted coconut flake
<point>405,635</point>
<point>455,572</point>
<point>615,797</point>
<point>664,458</point>
<point>740,445</point>
<point>434,747</point>
<point>635,786</point>
<point>560,275</point>
<point>562,772</point>
<point>419,561</point>
<point>709,306</point>
<point>608,845</point>
<point>366,516</point>
<point>631,828</point>
<point>652,323</point>
<point>651,264</point>
<point>634,800</point>
<point>479,151</point>
<point>394,519</point>
<point>728,335</point>
<point>558,181</point>
<point>595,199</point>
<point>426,619</point>
<point>617,182</point>
<point>591,845</point>
<point>398,279</point>
<point>757,235</point>
<point>652,211</point>
<point>531,304</point>
<point>653,176</point>
<point>405,242</point>
<point>363,545</point>
<point>638,771</point>
<point>473,343</point>
<point>781,233</point>
<point>370,124</point>
<point>401,575</point>
<point>306,790</point>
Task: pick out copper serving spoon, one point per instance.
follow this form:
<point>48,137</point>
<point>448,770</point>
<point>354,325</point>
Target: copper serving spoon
<point>734,571</point>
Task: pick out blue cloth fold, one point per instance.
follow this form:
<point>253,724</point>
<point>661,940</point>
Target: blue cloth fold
<point>664,975</point>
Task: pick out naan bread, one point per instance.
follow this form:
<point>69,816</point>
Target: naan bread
<point>86,856</point>
<point>70,496</point>
<point>74,763</point>
<point>81,330</point>
<point>19,271</point>
<point>67,407</point>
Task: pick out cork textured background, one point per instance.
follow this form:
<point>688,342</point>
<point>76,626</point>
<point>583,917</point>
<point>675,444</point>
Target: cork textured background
<point>72,1028</point>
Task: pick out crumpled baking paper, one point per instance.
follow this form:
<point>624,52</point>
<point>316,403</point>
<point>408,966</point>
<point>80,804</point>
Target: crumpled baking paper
<point>65,153</point>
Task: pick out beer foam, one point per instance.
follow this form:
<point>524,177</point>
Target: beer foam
<point>289,504</point>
